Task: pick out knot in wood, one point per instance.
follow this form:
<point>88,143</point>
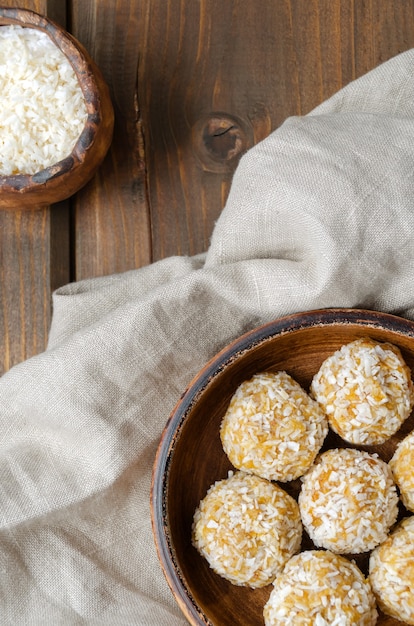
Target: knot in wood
<point>223,138</point>
<point>220,140</point>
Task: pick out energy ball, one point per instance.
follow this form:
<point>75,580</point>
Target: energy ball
<point>402,467</point>
<point>320,588</point>
<point>272,427</point>
<point>391,572</point>
<point>247,528</point>
<point>366,391</point>
<point>348,501</point>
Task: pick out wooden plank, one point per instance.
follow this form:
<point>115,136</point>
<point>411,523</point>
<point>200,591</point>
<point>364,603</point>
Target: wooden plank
<point>254,64</point>
<point>34,257</point>
<point>195,84</point>
<point>112,230</point>
<point>24,284</point>
<point>336,42</point>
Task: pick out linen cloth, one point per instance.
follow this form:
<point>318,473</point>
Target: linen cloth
<point>320,214</point>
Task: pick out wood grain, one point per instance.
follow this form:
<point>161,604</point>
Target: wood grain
<point>34,257</point>
<point>111,220</point>
<point>254,63</point>
<point>194,84</point>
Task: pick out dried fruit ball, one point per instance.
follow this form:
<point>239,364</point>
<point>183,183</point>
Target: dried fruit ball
<point>348,501</point>
<point>272,427</point>
<point>366,390</point>
<point>319,588</point>
<point>391,572</point>
<point>402,467</point>
<point>247,528</point>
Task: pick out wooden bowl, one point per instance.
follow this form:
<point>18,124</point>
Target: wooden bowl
<point>190,456</point>
<point>67,176</point>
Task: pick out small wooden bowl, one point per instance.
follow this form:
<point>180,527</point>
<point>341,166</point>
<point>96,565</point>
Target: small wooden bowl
<point>190,457</point>
<point>66,177</point>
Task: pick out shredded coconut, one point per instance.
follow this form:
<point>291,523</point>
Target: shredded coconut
<point>247,528</point>
<point>319,588</point>
<point>366,391</point>
<point>391,572</point>
<point>348,501</point>
<point>272,427</point>
<point>42,108</point>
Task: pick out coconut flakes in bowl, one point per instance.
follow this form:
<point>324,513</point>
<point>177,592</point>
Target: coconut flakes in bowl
<point>43,111</point>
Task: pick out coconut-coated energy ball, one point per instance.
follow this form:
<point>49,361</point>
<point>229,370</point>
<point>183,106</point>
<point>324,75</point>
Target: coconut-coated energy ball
<point>402,467</point>
<point>247,528</point>
<point>272,427</point>
<point>391,572</point>
<point>318,587</point>
<point>348,501</point>
<point>366,390</point>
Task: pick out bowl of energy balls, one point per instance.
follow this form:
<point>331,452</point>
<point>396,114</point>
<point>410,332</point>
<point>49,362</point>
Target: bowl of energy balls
<point>56,114</point>
<point>283,485</point>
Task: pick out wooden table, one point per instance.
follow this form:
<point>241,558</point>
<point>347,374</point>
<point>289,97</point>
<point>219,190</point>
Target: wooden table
<point>194,83</point>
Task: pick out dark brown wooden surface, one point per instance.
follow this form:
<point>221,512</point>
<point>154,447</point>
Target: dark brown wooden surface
<point>194,83</point>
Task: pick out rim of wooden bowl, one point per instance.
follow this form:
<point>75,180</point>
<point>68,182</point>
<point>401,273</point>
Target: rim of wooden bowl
<point>364,319</point>
<point>65,177</point>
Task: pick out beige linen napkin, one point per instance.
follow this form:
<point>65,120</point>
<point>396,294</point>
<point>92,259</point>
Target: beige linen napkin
<point>320,214</point>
